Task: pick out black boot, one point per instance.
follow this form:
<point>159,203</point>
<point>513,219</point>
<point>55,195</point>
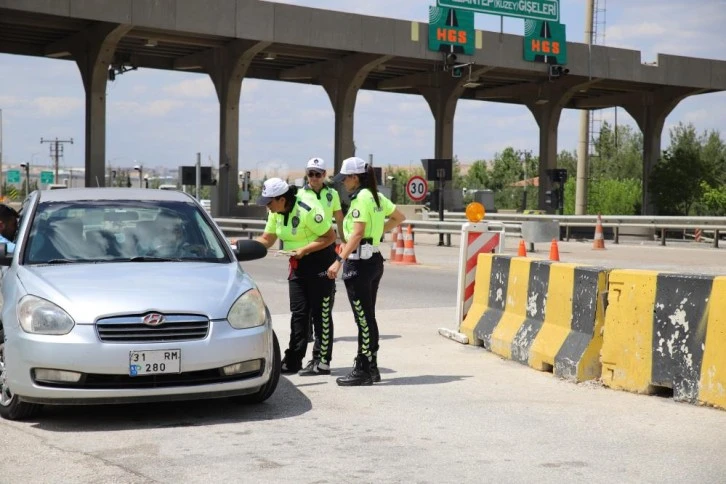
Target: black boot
<point>360,376</point>
<point>375,374</point>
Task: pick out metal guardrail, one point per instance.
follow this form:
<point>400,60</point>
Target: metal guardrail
<point>510,224</point>
<point>659,224</point>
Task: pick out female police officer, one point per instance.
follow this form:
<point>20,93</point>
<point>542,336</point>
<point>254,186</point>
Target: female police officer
<point>318,191</point>
<point>303,229</point>
<point>364,226</point>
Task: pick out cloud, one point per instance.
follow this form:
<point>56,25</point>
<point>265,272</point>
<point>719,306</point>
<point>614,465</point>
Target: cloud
<point>50,106</point>
<point>192,88</point>
<point>158,108</point>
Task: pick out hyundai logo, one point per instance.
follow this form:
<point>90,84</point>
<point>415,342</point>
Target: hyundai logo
<point>153,319</point>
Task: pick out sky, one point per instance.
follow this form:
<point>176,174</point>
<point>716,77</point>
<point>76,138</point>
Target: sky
<point>162,118</point>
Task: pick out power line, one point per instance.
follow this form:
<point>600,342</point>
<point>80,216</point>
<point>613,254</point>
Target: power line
<point>56,152</point>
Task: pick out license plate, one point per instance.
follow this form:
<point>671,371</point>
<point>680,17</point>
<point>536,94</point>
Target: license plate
<point>154,362</point>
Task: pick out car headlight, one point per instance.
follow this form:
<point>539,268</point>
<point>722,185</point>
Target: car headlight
<point>38,316</point>
<point>248,311</point>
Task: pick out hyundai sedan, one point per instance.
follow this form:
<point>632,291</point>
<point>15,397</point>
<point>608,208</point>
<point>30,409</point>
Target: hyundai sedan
<point>117,295</point>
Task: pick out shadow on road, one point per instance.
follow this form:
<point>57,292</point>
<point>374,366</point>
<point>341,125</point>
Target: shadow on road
<point>354,339</point>
<point>286,402</point>
<point>422,380</point>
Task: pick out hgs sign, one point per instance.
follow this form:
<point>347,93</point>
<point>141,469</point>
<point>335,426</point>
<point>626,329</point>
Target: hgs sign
<point>451,30</point>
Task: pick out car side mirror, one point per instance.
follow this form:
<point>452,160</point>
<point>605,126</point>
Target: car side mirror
<point>246,249</point>
<point>5,258</point>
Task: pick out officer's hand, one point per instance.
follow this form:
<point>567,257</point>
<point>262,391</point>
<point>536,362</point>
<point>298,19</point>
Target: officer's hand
<point>299,253</point>
<point>333,270</point>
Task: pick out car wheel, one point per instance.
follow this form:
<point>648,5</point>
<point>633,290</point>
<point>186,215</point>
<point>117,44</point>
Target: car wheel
<point>268,388</point>
<point>11,407</point>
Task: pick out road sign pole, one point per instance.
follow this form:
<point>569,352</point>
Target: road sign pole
<point>442,180</point>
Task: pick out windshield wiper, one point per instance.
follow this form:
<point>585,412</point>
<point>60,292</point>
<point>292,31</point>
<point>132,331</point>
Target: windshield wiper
<point>145,258</point>
<point>61,261</point>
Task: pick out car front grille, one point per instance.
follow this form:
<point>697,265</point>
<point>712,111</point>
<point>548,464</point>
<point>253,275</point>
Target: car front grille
<point>131,329</point>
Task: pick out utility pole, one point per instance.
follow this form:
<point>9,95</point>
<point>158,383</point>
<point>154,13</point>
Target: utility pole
<point>583,152</point>
<point>56,151</point>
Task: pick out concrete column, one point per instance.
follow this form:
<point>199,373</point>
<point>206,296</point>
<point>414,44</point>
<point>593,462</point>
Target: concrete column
<point>227,67</point>
<point>93,50</point>
<point>650,112</point>
<point>546,103</point>
<point>442,93</point>
<point>548,120</point>
<point>442,100</point>
<point>341,80</point>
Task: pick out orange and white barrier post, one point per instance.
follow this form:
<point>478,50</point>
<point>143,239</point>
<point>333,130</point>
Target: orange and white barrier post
<point>476,238</point>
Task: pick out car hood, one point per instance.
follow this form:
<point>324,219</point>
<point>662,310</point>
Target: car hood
<point>89,291</point>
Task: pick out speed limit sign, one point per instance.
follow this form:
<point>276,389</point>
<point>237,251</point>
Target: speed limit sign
<point>416,188</point>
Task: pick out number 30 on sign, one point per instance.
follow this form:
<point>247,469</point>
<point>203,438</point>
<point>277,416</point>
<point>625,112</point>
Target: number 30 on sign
<point>416,188</point>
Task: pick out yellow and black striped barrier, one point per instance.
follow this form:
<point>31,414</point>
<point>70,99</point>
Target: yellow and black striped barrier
<point>547,315</point>
<point>666,331</point>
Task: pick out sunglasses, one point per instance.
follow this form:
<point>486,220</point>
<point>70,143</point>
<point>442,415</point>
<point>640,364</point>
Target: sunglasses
<point>315,174</point>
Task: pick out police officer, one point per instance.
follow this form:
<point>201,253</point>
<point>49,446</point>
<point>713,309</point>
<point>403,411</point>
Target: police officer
<point>316,189</point>
<point>362,262</point>
<point>303,229</point>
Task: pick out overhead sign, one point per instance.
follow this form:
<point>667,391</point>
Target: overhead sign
<point>451,30</point>
<point>46,177</point>
<point>548,10</point>
<point>417,188</point>
<point>545,42</point>
<point>13,176</point>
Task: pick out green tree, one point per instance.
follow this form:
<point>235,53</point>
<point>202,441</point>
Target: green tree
<point>478,176</point>
<point>676,181</point>
<point>568,161</point>
<point>713,201</point>
<point>608,197</point>
<point>618,153</point>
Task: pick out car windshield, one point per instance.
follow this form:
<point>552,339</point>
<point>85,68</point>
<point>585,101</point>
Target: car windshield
<point>120,231</point>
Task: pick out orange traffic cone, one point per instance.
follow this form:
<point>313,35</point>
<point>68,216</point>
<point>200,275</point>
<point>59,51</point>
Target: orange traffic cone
<point>599,241</point>
<point>554,251</point>
<point>409,257</point>
<point>394,241</point>
<point>522,252</point>
<point>399,246</point>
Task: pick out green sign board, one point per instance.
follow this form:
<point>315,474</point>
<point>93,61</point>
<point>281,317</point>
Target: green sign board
<point>13,176</point>
<point>545,42</point>
<point>548,10</point>
<point>46,177</point>
<point>451,30</point>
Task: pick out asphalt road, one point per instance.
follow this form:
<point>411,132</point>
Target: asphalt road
<point>444,413</point>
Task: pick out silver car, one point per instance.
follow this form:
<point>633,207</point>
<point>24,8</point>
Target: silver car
<point>117,295</point>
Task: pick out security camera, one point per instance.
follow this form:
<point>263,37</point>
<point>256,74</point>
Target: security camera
<point>557,71</point>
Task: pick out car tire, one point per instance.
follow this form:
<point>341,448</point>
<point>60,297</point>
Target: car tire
<point>11,407</point>
<point>268,388</point>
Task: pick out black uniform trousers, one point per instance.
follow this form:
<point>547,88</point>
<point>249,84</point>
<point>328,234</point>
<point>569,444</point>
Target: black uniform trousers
<point>362,278</point>
<point>311,299</point>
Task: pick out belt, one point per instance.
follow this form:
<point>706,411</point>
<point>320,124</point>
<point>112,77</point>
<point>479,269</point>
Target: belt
<point>356,255</point>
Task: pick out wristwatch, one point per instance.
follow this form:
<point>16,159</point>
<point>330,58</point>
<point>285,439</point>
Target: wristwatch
<point>338,258</point>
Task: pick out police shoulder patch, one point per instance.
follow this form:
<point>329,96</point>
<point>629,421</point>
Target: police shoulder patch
<point>303,205</point>
<point>356,213</point>
<point>318,218</point>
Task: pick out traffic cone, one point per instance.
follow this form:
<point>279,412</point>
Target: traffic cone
<point>409,257</point>
<point>554,251</point>
<point>599,242</point>
<point>522,252</point>
<point>399,246</point>
<point>394,241</point>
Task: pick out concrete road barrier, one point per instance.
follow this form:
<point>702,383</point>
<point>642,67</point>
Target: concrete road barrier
<point>543,314</point>
<point>666,331</point>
